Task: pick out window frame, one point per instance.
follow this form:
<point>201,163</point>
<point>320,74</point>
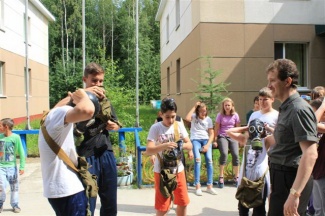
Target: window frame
<point>2,79</point>
<point>178,13</point>
<point>178,76</point>
<point>2,16</point>
<point>167,29</point>
<point>168,81</point>
<point>303,75</point>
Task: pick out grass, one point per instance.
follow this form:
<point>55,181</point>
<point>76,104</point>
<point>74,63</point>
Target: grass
<point>32,139</point>
<point>147,118</point>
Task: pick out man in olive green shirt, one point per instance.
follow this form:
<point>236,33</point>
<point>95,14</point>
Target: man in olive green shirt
<point>294,153</point>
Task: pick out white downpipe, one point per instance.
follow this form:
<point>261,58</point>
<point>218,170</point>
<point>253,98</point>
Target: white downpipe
<point>28,127</point>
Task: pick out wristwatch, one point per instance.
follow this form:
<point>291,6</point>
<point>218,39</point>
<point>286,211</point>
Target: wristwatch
<point>294,193</point>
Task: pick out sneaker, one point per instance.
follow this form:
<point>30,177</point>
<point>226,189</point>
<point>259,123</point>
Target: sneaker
<point>16,209</point>
<point>236,181</point>
<point>211,191</point>
<point>221,182</point>
<point>198,192</point>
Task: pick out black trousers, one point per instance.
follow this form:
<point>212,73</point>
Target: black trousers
<point>282,178</point>
<point>257,211</point>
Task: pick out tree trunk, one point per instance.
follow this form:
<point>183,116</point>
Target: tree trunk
<point>62,45</point>
<point>66,33</point>
<point>112,40</point>
<point>74,55</point>
<point>104,41</point>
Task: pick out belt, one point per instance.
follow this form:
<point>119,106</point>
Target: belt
<point>283,168</point>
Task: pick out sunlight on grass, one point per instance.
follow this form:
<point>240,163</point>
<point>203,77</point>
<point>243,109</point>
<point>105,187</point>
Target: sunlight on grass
<point>147,118</point>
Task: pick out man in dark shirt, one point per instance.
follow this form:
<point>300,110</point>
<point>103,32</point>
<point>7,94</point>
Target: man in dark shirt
<point>294,152</point>
<point>96,145</point>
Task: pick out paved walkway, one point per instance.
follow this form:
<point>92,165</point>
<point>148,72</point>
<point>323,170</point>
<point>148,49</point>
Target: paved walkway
<point>130,201</point>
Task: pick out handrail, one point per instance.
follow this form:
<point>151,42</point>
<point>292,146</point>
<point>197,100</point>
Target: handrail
<point>23,137</point>
<point>121,136</point>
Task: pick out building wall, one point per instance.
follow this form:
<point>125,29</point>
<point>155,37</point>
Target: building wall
<point>176,35</point>
<point>240,37</point>
<point>232,11</point>
<point>242,52</point>
<point>13,102</point>
<point>12,55</point>
<point>12,36</point>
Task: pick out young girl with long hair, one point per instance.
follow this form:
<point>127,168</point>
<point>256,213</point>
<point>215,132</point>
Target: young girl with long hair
<point>201,137</point>
<point>227,118</point>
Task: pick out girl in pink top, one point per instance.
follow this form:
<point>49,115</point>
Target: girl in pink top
<point>227,118</point>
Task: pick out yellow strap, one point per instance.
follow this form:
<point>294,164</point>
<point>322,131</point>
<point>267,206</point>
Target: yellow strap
<point>57,149</point>
<point>177,137</point>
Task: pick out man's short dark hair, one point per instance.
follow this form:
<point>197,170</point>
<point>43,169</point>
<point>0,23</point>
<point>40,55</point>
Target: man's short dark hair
<point>93,68</point>
<point>286,68</point>
<point>265,92</point>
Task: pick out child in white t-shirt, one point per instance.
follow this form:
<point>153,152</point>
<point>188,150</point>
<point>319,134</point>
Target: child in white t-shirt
<point>202,136</point>
<point>163,137</point>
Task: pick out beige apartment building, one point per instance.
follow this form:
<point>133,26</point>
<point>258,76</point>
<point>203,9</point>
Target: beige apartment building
<point>242,37</point>
<point>14,82</point>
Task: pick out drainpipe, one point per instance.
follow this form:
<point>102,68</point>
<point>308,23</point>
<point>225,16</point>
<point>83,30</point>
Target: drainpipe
<point>28,127</point>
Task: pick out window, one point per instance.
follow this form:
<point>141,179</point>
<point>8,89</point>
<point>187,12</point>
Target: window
<point>167,28</point>
<point>2,15</point>
<point>297,52</point>
<point>178,76</point>
<point>168,81</point>
<point>178,14</point>
<point>28,81</point>
<point>1,78</point>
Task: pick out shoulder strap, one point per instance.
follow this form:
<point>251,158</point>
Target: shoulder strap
<point>176,133</point>
<point>245,160</point>
<point>160,160</point>
<point>45,112</point>
<point>57,149</point>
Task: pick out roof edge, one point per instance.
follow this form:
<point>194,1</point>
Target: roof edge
<point>43,10</point>
<point>161,8</point>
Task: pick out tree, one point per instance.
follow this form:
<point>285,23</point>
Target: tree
<point>110,30</point>
<point>210,91</point>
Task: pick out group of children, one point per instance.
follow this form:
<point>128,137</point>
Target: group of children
<point>225,134</point>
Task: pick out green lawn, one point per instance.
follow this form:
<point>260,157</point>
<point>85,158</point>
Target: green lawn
<point>147,118</point>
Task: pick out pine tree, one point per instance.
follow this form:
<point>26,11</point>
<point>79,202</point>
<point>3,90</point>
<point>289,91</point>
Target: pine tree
<point>210,91</point>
